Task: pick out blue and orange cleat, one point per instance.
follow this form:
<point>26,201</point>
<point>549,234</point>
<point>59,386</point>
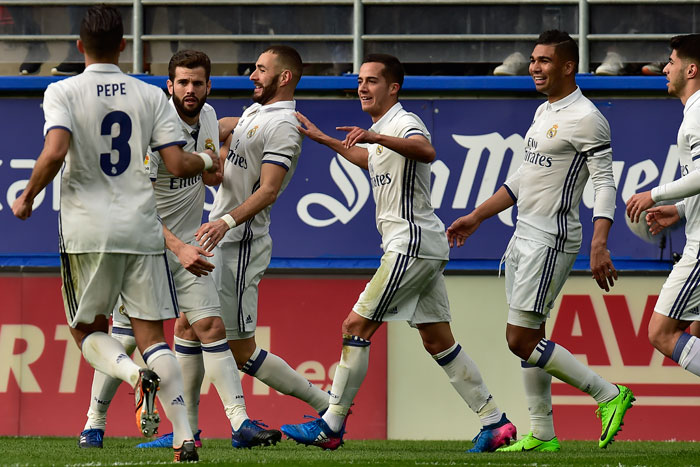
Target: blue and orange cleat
<point>492,437</point>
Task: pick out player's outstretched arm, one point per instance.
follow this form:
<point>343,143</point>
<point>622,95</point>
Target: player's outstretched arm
<point>416,147</point>
<point>190,256</point>
<point>637,204</point>
<point>356,155</point>
<point>465,226</point>
<point>602,266</point>
<point>226,126</point>
<point>48,164</point>
<point>660,217</point>
<point>187,164</point>
<point>271,178</point>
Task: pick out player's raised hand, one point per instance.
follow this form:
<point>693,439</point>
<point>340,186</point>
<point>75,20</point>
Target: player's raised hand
<point>637,204</point>
<point>190,257</point>
<point>208,235</point>
<point>21,208</point>
<point>660,217</point>
<point>461,229</point>
<point>356,135</point>
<point>602,268</point>
<point>307,128</point>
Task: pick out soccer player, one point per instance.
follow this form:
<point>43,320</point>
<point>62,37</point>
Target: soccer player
<point>180,202</point>
<point>568,141</point>
<point>263,152</point>
<point>111,242</point>
<point>409,284</point>
<point>677,306</point>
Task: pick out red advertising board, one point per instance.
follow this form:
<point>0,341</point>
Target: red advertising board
<point>45,382</point>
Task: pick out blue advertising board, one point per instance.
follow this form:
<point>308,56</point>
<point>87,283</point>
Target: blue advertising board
<point>327,211</point>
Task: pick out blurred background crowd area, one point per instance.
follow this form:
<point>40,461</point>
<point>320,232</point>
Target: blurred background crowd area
<point>431,37</point>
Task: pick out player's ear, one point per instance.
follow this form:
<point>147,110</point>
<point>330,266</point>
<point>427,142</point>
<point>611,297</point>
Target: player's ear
<point>170,87</point>
<point>122,45</point>
<point>80,46</point>
<point>285,77</point>
<point>208,87</point>
<point>691,70</point>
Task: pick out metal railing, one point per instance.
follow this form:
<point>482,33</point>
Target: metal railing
<point>358,38</point>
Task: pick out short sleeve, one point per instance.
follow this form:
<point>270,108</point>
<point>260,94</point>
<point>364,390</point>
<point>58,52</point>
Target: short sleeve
<point>56,111</point>
<point>282,144</point>
<point>167,130</point>
<point>410,125</point>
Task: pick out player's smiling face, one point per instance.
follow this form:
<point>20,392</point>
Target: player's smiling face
<point>547,70</point>
<point>265,78</point>
<point>376,94</point>
<point>189,89</point>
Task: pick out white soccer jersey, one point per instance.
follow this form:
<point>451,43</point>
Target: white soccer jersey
<point>265,134</point>
<point>180,201</point>
<point>107,201</point>
<point>568,140</point>
<point>689,149</point>
<point>401,188</point>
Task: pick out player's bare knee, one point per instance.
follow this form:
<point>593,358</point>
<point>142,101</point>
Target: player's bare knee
<point>207,330</point>
<point>519,347</point>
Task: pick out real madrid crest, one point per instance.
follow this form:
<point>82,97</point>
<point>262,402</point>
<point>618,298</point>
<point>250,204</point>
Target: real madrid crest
<point>380,148</point>
<point>209,144</point>
<point>552,132</point>
<point>252,131</point>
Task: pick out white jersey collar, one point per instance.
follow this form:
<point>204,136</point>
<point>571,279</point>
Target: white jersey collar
<point>565,102</point>
<point>103,68</point>
<point>691,100</point>
<point>387,117</point>
<point>279,105</point>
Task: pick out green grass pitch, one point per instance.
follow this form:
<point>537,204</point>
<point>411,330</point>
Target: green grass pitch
<point>120,451</point>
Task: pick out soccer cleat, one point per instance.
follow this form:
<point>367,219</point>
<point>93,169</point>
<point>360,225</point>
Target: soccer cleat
<point>253,433</point>
<point>91,438</point>
<point>147,418</point>
<point>166,441</point>
<point>493,436</point>
<point>611,414</point>
<point>530,443</point>
<point>187,452</point>
<point>315,433</point>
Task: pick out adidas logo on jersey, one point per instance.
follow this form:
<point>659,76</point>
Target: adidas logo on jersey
<point>178,401</point>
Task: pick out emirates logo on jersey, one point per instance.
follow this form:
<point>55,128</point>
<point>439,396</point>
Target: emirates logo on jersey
<point>380,148</point>
<point>552,132</point>
<point>209,144</point>
<point>252,131</point>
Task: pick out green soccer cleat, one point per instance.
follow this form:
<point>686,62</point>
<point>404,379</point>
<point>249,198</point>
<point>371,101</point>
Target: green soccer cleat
<point>530,443</point>
<point>611,414</point>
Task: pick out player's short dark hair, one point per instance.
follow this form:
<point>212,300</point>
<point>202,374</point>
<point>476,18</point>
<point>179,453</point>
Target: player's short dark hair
<point>565,47</point>
<point>189,59</point>
<point>393,70</point>
<point>101,31</point>
<point>687,47</point>
<point>289,58</point>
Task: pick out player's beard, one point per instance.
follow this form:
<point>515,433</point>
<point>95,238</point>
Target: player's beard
<point>268,92</point>
<point>180,106</point>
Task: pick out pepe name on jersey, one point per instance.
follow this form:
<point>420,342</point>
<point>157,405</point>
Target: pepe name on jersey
<point>111,89</point>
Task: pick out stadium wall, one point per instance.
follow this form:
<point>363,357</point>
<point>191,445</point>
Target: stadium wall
<point>320,265</point>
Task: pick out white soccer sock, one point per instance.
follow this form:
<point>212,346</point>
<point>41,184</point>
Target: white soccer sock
<point>466,379</point>
<point>558,362</point>
<point>108,355</point>
<point>189,356</point>
<point>687,353</point>
<point>104,387</point>
<point>161,359</point>
<point>276,373</point>
<point>538,393</point>
<point>223,372</point>
<point>351,371</point>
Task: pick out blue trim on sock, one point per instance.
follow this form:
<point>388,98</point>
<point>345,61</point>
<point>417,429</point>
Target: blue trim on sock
<point>680,345</point>
<point>216,348</point>
<point>155,349</point>
<point>355,341</point>
<point>546,352</point>
<point>187,350</point>
<point>123,331</point>
<point>251,366</point>
<point>525,364</point>
<point>450,356</point>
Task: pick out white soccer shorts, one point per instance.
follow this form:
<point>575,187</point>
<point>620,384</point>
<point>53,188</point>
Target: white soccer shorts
<point>92,282</point>
<point>406,288</point>
<point>679,298</point>
<point>197,296</point>
<point>535,274</point>
<point>239,266</point>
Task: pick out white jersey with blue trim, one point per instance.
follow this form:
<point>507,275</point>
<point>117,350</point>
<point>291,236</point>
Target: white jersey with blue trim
<point>107,201</point>
<point>180,201</point>
<point>265,134</point>
<point>568,140</point>
<point>401,188</point>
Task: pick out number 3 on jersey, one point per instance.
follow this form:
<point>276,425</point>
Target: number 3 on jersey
<point>120,143</point>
